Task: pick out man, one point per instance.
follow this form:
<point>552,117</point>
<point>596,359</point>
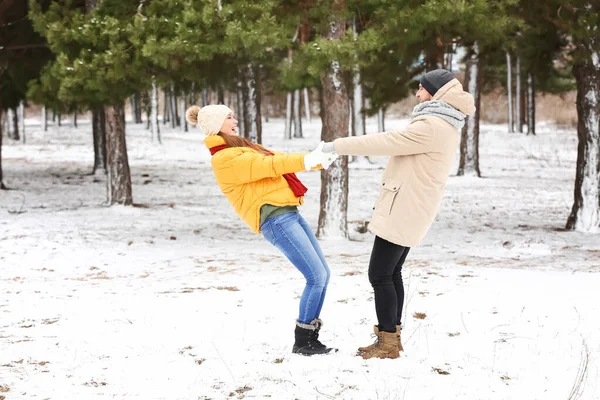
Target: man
<point>411,192</point>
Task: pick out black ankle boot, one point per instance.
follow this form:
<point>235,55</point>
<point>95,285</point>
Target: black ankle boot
<point>307,340</point>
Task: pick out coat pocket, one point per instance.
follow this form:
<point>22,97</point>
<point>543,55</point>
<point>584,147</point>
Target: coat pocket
<point>387,196</point>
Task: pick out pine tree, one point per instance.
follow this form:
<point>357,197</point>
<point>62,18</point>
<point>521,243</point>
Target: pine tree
<point>23,53</point>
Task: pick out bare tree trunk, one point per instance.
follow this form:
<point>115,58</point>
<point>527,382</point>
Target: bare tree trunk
<point>258,101</point>
<point>75,119</point>
<point>530,104</point>
<point>333,216</point>
<point>173,107</point>
<point>2,187</point>
<point>509,92</point>
<point>306,105</point>
<point>297,115</point>
<point>220,95</point>
<point>585,214</point>
<point>166,105</point>
<point>99,134</point>
<point>182,120</point>
<point>289,100</point>
<point>44,119</point>
<point>518,95</point>
<point>250,120</point>
<point>155,132</point>
<point>204,97</point>
<point>12,124</point>
<point>469,145</point>
<point>118,175</point>
<point>381,120</point>
<point>22,120</point>
<point>240,109</point>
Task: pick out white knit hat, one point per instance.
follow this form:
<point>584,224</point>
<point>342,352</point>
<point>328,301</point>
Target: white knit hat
<point>210,118</point>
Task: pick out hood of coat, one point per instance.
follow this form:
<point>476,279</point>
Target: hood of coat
<point>453,94</point>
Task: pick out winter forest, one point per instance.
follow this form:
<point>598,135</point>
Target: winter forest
<point>126,274</point>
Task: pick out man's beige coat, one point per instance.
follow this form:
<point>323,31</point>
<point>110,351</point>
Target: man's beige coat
<point>413,182</point>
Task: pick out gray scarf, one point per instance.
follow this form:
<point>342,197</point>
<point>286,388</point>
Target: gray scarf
<point>440,109</point>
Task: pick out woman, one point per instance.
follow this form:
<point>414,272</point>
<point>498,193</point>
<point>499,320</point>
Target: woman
<point>264,191</point>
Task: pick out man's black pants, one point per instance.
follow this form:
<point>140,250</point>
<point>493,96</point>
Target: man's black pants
<point>385,275</point>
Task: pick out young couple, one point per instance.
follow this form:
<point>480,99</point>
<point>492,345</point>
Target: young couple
<point>264,191</point>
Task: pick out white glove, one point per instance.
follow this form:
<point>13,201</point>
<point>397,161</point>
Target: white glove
<point>317,157</point>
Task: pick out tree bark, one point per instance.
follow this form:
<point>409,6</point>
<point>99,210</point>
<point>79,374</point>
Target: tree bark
<point>297,115</point>
<point>251,111</point>
<point>469,145</point>
<point>118,175</point>
<point>518,95</point>
<point>22,121</point>
<point>155,132</point>
<point>509,92</point>
<point>585,214</point>
<point>240,108</point>
<point>381,120</point>
<point>99,135</point>
<point>333,216</point>
<point>289,102</point>
<point>306,105</point>
<point>182,120</point>
<point>12,124</point>
<point>44,119</point>
<point>2,187</point>
<point>530,104</point>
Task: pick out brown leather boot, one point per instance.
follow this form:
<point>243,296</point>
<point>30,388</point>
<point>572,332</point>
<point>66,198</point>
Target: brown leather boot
<point>386,348</point>
<point>398,330</point>
<point>370,347</point>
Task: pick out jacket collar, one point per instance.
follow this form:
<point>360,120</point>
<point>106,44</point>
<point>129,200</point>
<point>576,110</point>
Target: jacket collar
<point>214,141</point>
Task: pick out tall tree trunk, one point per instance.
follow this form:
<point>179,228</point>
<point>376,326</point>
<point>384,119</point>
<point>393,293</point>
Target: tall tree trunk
<point>251,110</point>
<point>518,94</point>
<point>297,115</point>
<point>173,108</point>
<point>289,101</point>
<point>155,132</point>
<point>306,104</point>
<point>12,124</point>
<point>333,216</point>
<point>381,120</point>
<point>22,120</point>
<point>220,95</point>
<point>44,119</point>
<point>118,175</point>
<point>99,135</point>
<point>585,214</point>
<point>469,145</point>
<point>204,97</point>
<point>258,101</point>
<point>2,187</point>
<point>75,119</point>
<point>240,108</point>
<point>182,120</point>
<point>166,106</point>
<point>530,104</point>
<point>509,91</point>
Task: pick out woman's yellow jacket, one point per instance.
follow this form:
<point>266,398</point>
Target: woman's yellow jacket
<point>250,179</point>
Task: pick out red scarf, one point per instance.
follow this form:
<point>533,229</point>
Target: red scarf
<point>297,187</point>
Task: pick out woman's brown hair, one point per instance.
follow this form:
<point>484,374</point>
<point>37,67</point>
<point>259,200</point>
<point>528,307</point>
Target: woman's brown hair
<point>238,141</point>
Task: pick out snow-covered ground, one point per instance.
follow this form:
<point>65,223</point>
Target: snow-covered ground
<point>176,299</point>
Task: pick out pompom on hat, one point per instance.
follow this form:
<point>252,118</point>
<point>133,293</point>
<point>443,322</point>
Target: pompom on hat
<point>210,118</point>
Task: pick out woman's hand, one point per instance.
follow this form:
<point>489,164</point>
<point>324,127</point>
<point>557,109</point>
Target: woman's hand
<point>317,157</point>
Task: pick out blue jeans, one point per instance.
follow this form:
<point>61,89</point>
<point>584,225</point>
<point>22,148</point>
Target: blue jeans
<point>292,236</point>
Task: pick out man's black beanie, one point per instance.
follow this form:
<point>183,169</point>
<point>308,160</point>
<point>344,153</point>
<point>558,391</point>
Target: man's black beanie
<point>434,80</point>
